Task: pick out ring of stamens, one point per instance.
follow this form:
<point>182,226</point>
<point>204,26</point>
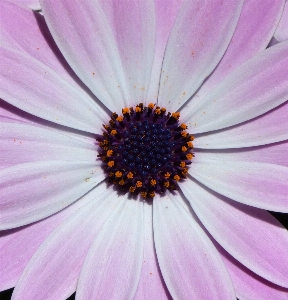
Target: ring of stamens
<point>145,150</point>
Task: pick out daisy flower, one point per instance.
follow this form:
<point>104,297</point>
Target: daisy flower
<point>142,143</point>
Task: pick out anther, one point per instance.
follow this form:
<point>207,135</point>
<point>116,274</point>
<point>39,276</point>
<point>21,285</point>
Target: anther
<point>177,177</point>
<point>109,153</point>
<point>110,164</point>
<point>138,184</point>
<point>118,174</point>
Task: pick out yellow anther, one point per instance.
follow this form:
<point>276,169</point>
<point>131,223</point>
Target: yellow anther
<point>182,164</point>
<point>176,115</point>
<point>157,111</point>
<point>119,119</point>
<point>184,133</point>
<point>177,177</point>
<point>167,175</point>
<point>114,132</point>
<point>153,182</point>
<point>111,163</point>
<point>184,149</point>
<point>166,184</point>
<point>118,174</point>
<point>121,182</point>
<point>111,174</point>
<point>138,109</point>
<point>191,138</point>
<point>132,189</point>
<point>130,175</point>
<point>185,171</point>
<point>109,153</point>
<point>152,194</point>
<point>139,184</point>
<point>125,110</point>
<point>189,156</point>
<point>163,109</point>
<point>143,194</point>
<point>183,126</point>
<point>151,105</point>
<point>190,144</point>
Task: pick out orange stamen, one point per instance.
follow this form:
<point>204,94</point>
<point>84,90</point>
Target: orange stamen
<point>118,174</point>
<point>139,184</point>
<point>111,163</point>
<point>109,153</point>
<point>130,175</point>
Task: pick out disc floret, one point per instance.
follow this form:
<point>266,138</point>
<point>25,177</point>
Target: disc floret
<point>145,150</point>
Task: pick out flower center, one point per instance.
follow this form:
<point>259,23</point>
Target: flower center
<point>146,150</point>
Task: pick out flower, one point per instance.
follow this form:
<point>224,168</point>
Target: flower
<point>65,229</point>
<point>281,33</point>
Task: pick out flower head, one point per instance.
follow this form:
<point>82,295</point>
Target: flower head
<point>135,66</point>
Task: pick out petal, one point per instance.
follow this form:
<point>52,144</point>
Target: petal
<point>26,143</point>
<point>270,154</point>
<point>165,18</point>
<point>36,190</point>
<point>121,234</point>
<point>53,271</point>
<point>33,4</point>
<point>191,55</point>
<point>268,128</point>
<point>230,223</point>
<point>108,44</point>
<point>18,245</point>
<point>30,81</point>
<point>260,185</point>
<point>191,266</point>
<point>281,33</point>
<point>254,30</point>
<point>257,86</point>
<point>248,285</point>
<point>151,284</point>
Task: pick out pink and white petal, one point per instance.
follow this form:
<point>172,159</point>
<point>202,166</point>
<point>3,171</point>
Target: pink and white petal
<point>151,284</point>
<point>281,33</point>
<point>112,267</point>
<point>261,185</point>
<point>33,4</point>
<point>33,87</point>
<point>190,264</point>
<point>191,55</point>
<point>256,25</point>
<point>248,285</point>
<point>257,86</point>
<point>33,191</point>
<point>53,271</point>
<point>108,53</point>
<point>165,18</point>
<point>26,143</point>
<point>17,246</point>
<point>268,128</point>
<point>270,154</point>
<point>230,223</point>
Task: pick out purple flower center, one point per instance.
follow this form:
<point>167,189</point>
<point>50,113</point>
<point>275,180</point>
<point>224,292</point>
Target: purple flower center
<point>146,150</point>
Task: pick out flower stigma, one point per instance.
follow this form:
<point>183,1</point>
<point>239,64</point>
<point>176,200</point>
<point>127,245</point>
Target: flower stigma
<point>145,150</point>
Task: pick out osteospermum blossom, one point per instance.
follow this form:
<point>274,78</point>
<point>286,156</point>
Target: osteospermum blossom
<point>169,198</point>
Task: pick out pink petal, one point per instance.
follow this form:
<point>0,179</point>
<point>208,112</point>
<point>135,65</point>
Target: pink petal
<point>26,143</point>
<point>254,30</point>
<point>36,190</point>
<point>281,33</point>
<point>248,285</point>
<point>18,245</point>
<point>53,271</point>
<point>268,128</point>
<point>270,154</point>
<point>260,185</point>
<point>165,18</point>
<point>198,40</point>
<point>240,229</point>
<point>30,81</point>
<point>191,266</point>
<point>151,284</point>
<point>257,86</point>
<point>33,4</point>
<point>108,44</point>
<point>112,267</point>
